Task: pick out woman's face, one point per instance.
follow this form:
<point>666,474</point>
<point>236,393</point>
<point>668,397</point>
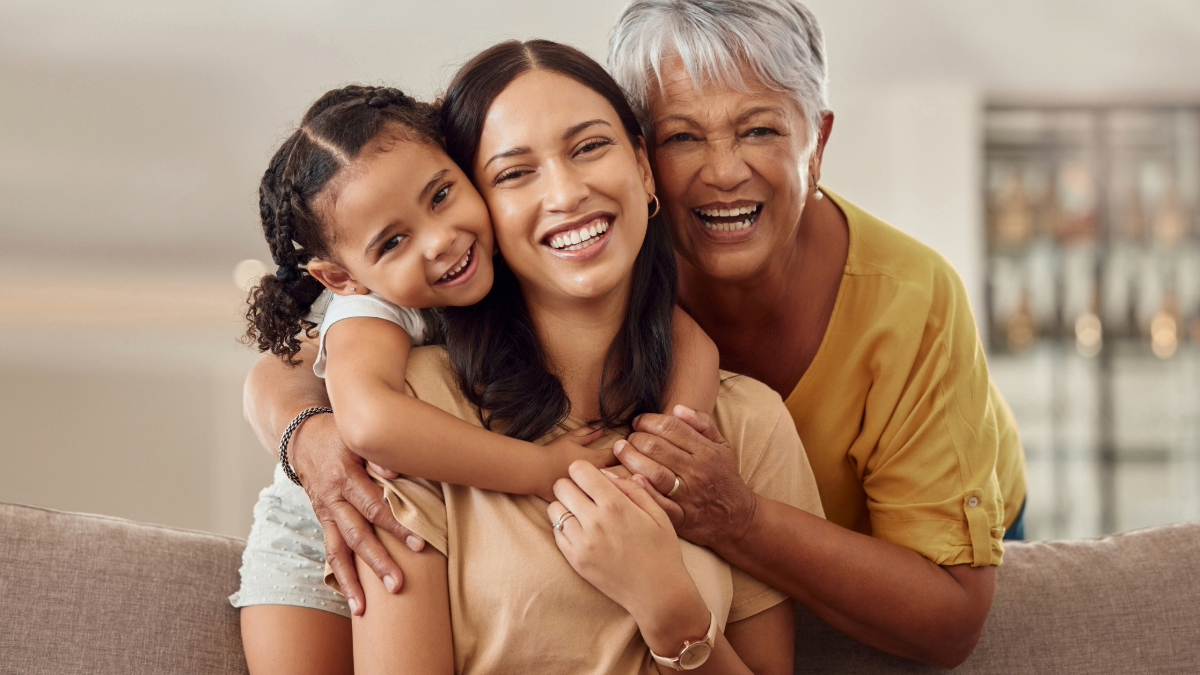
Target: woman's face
<point>567,189</point>
<point>732,171</point>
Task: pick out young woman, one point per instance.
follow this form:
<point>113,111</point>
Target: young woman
<point>597,581</point>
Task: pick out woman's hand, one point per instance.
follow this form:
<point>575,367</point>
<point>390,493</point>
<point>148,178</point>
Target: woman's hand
<point>713,504</point>
<point>565,450</point>
<point>618,539</point>
<point>348,504</point>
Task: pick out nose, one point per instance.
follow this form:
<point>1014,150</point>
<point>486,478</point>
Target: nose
<point>438,242</point>
<point>565,189</point>
<point>723,167</point>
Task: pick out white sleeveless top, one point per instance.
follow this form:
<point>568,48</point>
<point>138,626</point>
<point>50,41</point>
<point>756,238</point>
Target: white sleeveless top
<point>330,308</point>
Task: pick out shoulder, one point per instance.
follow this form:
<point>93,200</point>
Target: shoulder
<point>748,414</point>
<point>430,378</point>
<point>371,305</point>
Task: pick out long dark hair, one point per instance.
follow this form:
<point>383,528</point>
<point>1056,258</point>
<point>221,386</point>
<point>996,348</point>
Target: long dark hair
<point>332,134</point>
<point>497,358</point>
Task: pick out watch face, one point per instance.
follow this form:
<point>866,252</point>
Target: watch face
<point>694,656</point>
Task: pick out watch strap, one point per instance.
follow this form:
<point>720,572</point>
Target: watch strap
<point>710,639</point>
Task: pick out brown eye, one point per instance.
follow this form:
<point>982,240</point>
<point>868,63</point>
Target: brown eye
<point>392,243</point>
<point>441,195</point>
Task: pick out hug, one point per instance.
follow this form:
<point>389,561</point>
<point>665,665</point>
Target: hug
<point>582,370</point>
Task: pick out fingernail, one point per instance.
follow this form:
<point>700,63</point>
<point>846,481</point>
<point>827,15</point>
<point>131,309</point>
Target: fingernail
<point>608,473</point>
<point>681,410</point>
<point>389,582</point>
<point>619,446</point>
<point>353,602</point>
<point>414,543</point>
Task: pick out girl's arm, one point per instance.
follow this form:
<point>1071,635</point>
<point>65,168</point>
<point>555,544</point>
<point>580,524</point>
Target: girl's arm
<point>695,376</point>
<point>622,542</point>
<point>407,632</point>
<point>380,422</point>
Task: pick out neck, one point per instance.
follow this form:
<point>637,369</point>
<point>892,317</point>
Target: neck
<point>576,336</point>
<point>770,324</point>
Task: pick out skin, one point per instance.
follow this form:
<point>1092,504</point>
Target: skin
<point>570,164</point>
<point>766,296</point>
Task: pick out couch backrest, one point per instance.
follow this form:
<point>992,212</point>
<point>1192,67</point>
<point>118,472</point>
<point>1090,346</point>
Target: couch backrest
<point>1128,603</point>
<point>104,596</point>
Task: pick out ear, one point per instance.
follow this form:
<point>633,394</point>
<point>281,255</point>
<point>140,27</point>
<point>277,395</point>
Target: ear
<point>335,277</point>
<point>814,164</point>
<point>643,160</point>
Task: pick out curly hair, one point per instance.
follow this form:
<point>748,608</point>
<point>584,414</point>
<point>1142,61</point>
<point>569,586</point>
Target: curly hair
<point>331,136</point>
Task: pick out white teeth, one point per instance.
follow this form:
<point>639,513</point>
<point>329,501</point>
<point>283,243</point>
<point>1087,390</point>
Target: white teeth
<point>578,239</point>
<point>458,268</point>
<point>726,213</point>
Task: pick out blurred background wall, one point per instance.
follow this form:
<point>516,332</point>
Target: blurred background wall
<point>133,134</point>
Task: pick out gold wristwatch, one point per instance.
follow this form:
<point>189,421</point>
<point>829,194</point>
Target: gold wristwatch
<point>694,654</point>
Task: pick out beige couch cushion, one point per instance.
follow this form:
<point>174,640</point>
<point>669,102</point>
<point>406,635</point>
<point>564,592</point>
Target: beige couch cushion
<point>97,595</point>
<point>1123,604</point>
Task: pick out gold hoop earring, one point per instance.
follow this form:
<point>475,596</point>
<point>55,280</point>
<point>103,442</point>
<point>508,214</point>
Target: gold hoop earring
<point>657,206</point>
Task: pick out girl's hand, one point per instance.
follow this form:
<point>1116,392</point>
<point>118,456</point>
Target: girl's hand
<point>622,542</point>
<point>566,450</point>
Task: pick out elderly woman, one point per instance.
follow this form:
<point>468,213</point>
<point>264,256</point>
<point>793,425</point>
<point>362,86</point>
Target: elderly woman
<point>866,334</point>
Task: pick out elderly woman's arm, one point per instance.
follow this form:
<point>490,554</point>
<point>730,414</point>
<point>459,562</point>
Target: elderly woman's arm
<point>344,499</point>
<point>879,593</point>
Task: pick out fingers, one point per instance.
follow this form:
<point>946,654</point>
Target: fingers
<point>360,537</point>
<point>673,510</point>
<point>640,496</point>
<point>592,482</point>
<point>701,422</point>
<point>341,561</point>
<point>558,513</point>
<point>367,497</point>
<point>573,497</point>
<point>680,432</point>
<point>586,435</point>
<point>660,477</point>
<point>386,474</point>
<point>660,450</point>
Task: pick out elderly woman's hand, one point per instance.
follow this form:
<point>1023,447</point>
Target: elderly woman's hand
<point>347,504</point>
<point>712,503</point>
<point>617,538</point>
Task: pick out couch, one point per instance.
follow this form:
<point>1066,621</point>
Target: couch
<point>104,596</point>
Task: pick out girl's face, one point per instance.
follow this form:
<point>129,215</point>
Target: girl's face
<point>567,189</point>
<point>408,225</point>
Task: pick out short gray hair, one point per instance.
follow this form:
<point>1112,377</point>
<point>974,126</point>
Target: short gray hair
<point>779,40</point>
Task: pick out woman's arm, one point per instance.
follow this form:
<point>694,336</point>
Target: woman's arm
<point>344,498</point>
<point>623,544</point>
<point>407,632</point>
<point>879,593</point>
<point>380,422</point>
<point>695,374</point>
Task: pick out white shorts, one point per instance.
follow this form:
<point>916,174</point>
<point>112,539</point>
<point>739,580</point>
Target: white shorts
<point>284,561</point>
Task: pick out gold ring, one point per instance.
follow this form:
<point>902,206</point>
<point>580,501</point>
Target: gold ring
<point>675,487</point>
<point>558,524</point>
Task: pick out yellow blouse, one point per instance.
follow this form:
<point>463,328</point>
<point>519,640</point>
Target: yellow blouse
<point>908,437</point>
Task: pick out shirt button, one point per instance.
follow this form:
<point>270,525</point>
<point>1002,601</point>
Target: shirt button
<point>973,502</point>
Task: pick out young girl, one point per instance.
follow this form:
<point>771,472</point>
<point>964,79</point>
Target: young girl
<point>363,200</point>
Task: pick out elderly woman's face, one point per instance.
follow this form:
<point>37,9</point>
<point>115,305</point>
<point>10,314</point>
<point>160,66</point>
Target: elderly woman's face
<point>732,171</point>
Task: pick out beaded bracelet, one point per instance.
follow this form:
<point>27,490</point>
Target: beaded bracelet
<point>287,436</point>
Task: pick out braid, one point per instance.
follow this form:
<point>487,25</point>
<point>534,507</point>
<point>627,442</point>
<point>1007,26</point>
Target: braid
<point>332,134</point>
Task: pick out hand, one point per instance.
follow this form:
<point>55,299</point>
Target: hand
<point>623,544</point>
<point>347,504</point>
<point>713,506</point>
<point>566,450</point>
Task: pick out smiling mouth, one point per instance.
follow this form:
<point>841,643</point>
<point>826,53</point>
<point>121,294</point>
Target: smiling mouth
<point>461,267</point>
<point>729,220</point>
<point>580,238</point>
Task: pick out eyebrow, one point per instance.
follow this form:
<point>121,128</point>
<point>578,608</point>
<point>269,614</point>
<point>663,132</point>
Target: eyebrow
<point>581,126</point>
<point>525,149</point>
<point>740,118</point>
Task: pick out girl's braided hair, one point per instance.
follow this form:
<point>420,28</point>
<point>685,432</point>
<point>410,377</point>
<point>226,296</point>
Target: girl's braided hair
<point>331,136</point>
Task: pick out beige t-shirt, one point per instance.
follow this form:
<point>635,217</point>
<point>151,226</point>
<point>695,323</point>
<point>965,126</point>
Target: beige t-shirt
<point>516,605</point>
